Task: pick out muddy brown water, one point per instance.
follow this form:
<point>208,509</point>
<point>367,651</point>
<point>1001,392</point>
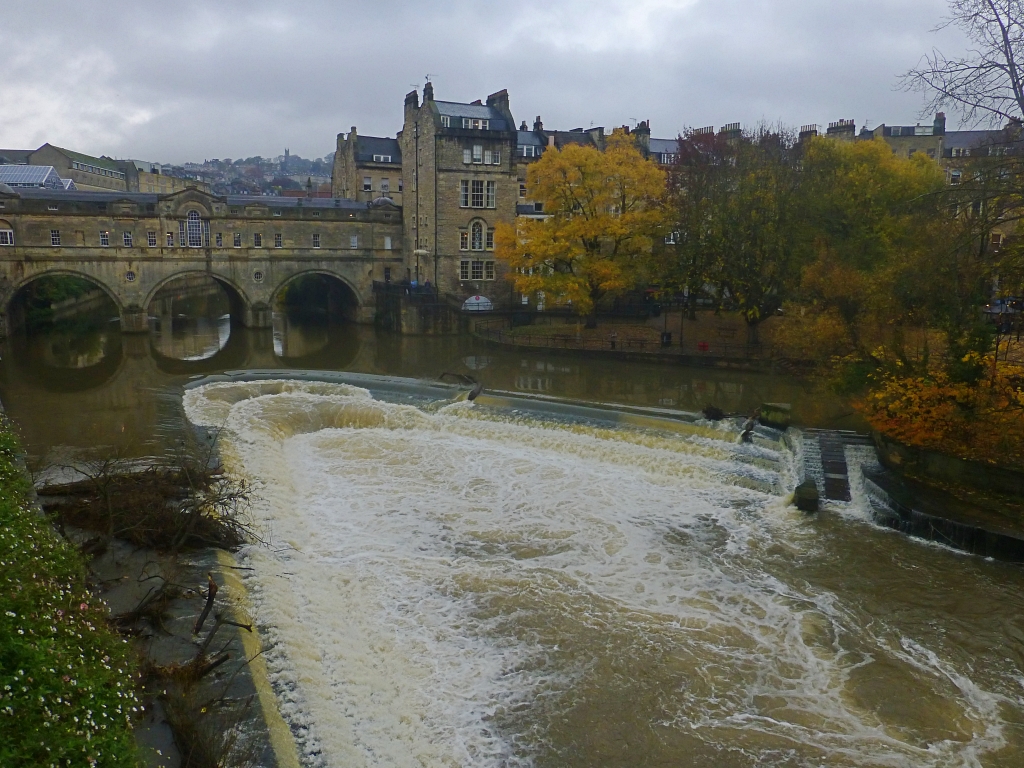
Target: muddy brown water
<point>580,600</point>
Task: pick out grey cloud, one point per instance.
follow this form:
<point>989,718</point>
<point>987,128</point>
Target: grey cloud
<point>189,80</point>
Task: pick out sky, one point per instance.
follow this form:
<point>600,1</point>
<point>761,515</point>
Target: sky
<point>172,82</point>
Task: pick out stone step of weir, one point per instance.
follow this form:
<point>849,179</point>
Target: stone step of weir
<point>828,446</point>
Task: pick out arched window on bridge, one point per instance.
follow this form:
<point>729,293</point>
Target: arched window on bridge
<point>197,231</point>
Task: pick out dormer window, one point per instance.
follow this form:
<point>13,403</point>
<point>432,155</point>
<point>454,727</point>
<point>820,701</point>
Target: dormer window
<point>667,158</point>
<point>382,158</point>
<point>528,150</point>
<point>446,121</point>
<point>476,124</point>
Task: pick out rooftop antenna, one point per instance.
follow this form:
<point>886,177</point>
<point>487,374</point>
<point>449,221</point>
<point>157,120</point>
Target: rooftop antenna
<point>634,121</point>
<point>429,77</point>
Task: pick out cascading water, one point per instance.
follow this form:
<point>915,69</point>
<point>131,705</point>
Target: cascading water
<point>456,586</point>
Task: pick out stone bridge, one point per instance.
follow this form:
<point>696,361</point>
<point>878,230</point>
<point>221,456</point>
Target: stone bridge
<point>130,245</point>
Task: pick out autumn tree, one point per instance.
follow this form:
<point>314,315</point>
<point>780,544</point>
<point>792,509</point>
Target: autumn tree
<point>601,211</point>
<point>762,227</point>
<point>693,248</point>
<point>869,233</point>
<point>736,222</point>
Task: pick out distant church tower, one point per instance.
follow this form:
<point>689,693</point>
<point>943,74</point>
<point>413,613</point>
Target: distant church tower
<point>284,165</point>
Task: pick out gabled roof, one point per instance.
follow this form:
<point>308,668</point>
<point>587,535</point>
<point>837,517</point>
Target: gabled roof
<point>78,157</point>
<point>368,146</point>
<point>476,111</point>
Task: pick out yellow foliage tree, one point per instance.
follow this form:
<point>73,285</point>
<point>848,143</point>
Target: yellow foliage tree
<point>602,209</point>
<point>982,422</point>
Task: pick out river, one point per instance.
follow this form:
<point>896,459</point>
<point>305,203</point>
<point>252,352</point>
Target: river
<point>454,585</point>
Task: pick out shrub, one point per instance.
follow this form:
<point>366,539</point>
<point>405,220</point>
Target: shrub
<point>66,680</point>
<point>981,421</point>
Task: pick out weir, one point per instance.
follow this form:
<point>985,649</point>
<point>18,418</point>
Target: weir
<point>488,582</point>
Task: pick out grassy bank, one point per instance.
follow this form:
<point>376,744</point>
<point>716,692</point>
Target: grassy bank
<point>66,681</point>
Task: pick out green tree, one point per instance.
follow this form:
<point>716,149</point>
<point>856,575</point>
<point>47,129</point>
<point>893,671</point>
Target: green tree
<point>693,247</point>
<point>735,219</point>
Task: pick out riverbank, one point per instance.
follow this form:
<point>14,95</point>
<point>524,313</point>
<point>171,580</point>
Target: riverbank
<point>157,535</point>
<point>67,682</point>
<point>629,342</point>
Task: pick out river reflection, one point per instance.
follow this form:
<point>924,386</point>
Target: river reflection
<point>190,319</point>
<point>87,384</point>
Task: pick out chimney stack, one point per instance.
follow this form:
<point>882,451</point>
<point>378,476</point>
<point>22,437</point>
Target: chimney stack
<point>428,92</point>
<point>499,100</point>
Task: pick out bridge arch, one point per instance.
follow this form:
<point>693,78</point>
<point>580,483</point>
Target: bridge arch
<point>18,286</point>
<point>238,299</point>
<point>342,297</point>
<point>12,312</point>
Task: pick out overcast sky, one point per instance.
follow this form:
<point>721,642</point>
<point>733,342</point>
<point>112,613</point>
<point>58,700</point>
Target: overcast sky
<point>176,81</point>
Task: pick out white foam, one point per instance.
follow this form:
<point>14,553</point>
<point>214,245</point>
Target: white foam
<point>440,576</point>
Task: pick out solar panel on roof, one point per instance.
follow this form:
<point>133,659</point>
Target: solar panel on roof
<point>30,176</point>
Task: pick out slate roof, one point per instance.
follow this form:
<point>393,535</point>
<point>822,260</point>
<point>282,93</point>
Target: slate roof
<point>35,193</point>
<point>529,137</point>
<point>368,146</point>
<point>78,157</point>
<point>477,111</point>
<point>44,176</point>
<point>968,139</point>
<point>15,156</point>
<point>670,146</point>
<point>572,137</point>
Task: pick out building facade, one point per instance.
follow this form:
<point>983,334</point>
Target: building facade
<point>367,167</point>
<point>90,174</point>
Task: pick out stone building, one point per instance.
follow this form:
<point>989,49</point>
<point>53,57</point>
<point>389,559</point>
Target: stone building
<point>460,182</point>
<point>143,176</point>
<point>460,170</point>
<point>90,174</point>
<point>367,167</point>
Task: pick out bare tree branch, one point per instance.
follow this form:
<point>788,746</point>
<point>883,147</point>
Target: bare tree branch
<point>987,84</point>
